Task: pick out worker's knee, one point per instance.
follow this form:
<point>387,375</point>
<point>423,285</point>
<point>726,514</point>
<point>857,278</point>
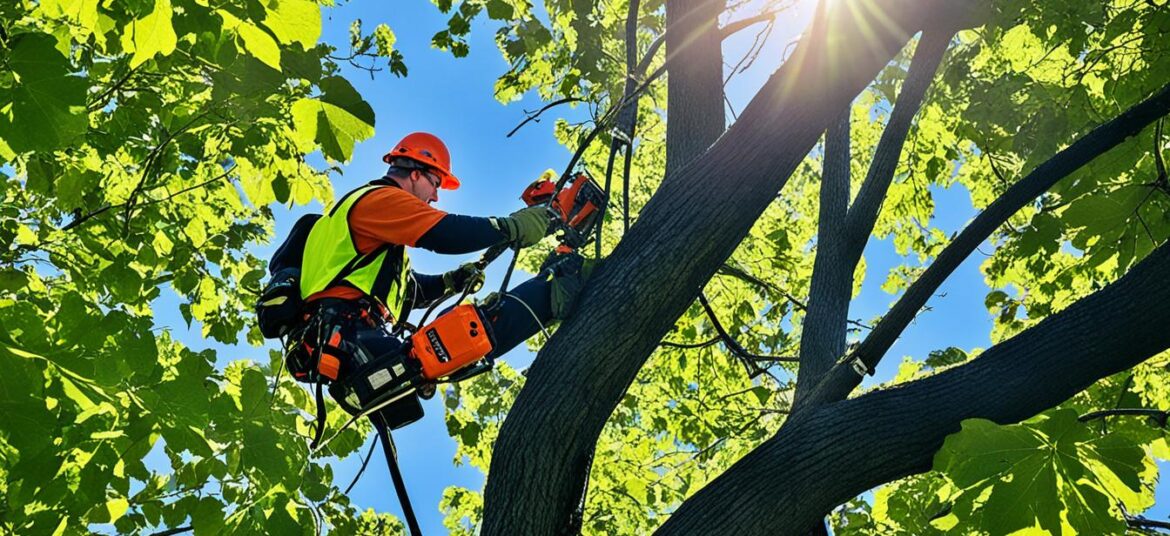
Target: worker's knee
<point>566,274</point>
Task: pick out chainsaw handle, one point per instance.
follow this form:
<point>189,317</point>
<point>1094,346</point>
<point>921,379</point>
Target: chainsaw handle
<point>490,255</point>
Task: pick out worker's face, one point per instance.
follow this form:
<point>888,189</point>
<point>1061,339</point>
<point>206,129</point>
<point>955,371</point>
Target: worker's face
<point>424,184</point>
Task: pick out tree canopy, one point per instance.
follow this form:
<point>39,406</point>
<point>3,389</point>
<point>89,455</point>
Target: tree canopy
<point>146,144</point>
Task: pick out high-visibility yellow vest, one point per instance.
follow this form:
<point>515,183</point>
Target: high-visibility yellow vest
<point>331,258</point>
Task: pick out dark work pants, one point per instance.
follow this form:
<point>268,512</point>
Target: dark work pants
<point>519,314</point>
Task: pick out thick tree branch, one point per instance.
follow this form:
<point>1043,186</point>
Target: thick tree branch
<point>822,338</point>
<point>828,454</point>
<point>842,379</point>
<point>684,233</point>
<point>864,212</point>
<point>694,94</point>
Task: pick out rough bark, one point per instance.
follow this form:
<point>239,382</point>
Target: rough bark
<point>822,338</point>
<point>685,232</point>
<point>841,380</point>
<point>833,452</point>
<point>694,92</point>
<point>864,212</point>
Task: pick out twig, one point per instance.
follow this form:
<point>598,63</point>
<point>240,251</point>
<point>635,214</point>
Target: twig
<point>691,346</point>
<point>999,175</point>
<point>650,52</point>
<point>535,116</point>
<point>1159,163</point>
<point>733,346</point>
<point>752,53</point>
<point>730,108</point>
<point>152,158</point>
<point>735,26</point>
<point>365,462</point>
<point>170,532</point>
<point>82,219</point>
<point>1161,417</point>
<point>1143,523</point>
<point>101,100</point>
<point>193,187</point>
<point>609,116</point>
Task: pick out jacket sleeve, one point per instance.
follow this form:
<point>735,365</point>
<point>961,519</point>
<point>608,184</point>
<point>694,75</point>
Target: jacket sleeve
<point>455,234</point>
<point>426,289</point>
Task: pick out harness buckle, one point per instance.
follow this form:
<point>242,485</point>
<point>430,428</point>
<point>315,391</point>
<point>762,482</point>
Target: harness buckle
<point>859,367</point>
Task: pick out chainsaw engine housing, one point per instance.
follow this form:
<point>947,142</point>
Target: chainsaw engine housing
<point>454,340</point>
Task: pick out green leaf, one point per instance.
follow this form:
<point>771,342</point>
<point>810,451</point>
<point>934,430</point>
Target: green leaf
<point>499,10</point>
<point>208,516</point>
<point>1044,472</point>
<point>763,394</point>
<point>1100,210</point>
<point>82,12</point>
<point>150,35</point>
<point>256,41</point>
<point>335,121</point>
<point>295,21</point>
<point>11,280</point>
<point>116,508</point>
<point>48,104</point>
<point>948,356</point>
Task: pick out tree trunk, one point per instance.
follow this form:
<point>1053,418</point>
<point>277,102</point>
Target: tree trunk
<point>686,231</point>
<point>833,452</point>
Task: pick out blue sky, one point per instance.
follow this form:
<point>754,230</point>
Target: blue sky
<point>453,99</point>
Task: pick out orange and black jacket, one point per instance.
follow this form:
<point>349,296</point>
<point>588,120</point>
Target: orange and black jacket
<point>393,216</point>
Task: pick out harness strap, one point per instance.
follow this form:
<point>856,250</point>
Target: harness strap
<point>396,474</point>
<point>321,411</point>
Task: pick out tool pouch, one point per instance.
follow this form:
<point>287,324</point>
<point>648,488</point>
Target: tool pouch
<point>280,304</point>
<point>371,380</point>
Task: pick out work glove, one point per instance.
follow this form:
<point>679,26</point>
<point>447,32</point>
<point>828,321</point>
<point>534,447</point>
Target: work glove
<point>526,226</point>
<point>466,276</point>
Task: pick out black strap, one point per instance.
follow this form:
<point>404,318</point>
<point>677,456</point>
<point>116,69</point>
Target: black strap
<point>395,473</point>
<point>320,417</point>
<point>357,263</point>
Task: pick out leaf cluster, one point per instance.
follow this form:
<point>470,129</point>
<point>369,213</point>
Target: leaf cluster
<point>143,144</point>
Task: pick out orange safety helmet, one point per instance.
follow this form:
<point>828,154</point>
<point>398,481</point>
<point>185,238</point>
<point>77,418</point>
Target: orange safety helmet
<point>426,149</point>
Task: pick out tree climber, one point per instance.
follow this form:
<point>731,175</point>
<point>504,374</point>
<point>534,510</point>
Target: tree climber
<point>357,282</point>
